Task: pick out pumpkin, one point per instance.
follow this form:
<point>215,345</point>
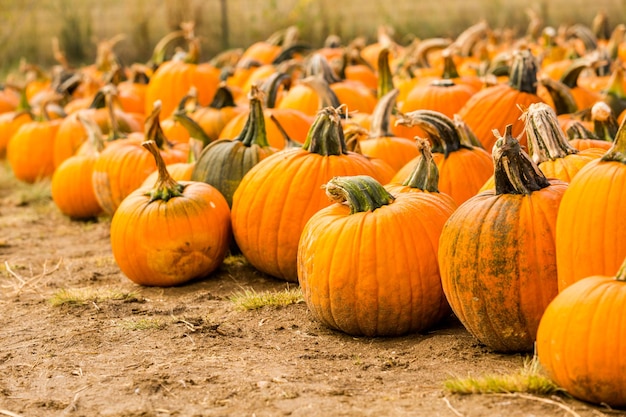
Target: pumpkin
<point>580,341</point>
<point>29,150</point>
<point>71,186</point>
<point>549,148</point>
<point>124,164</point>
<point>495,107</point>
<point>582,138</point>
<point>382,143</point>
<point>172,79</point>
<point>10,121</point>
<point>279,194</point>
<point>111,120</point>
<point>172,233</point>
<point>223,163</point>
<point>591,216</point>
<point>349,271</point>
<point>463,167</point>
<point>497,252</point>
<point>293,121</point>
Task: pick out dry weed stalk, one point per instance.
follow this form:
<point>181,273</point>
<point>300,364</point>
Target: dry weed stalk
<point>31,282</point>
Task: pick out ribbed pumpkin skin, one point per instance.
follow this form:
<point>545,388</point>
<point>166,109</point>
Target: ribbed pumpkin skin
<point>29,151</point>
<point>461,174</point>
<point>445,99</point>
<point>592,215</point>
<point>72,189</point>
<point>580,341</point>
<point>497,257</point>
<point>396,151</point>
<point>277,197</point>
<point>494,108</point>
<point>172,80</point>
<point>166,243</point>
<point>224,163</point>
<point>375,273</point>
<point>123,166</point>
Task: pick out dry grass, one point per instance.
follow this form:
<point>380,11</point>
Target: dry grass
<point>85,296</point>
<point>249,299</point>
<point>529,379</point>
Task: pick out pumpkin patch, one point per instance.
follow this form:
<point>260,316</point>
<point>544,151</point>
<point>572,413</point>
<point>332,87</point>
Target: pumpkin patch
<point>291,225</point>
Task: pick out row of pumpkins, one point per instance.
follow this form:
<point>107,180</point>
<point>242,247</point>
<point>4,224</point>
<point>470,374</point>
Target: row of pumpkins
<point>392,183</point>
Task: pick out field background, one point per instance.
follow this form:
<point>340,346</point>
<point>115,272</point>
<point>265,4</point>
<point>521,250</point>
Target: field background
<point>27,26</point>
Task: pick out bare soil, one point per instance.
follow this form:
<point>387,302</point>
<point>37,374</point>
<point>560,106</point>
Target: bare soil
<point>197,354</point>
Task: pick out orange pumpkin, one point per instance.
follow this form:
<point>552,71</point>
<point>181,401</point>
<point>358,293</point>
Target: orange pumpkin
<point>463,167</point>
<point>497,252</point>
<point>497,106</point>
<point>172,233</point>
<point>71,186</point>
<point>279,194</point>
<point>352,281</point>
<point>125,164</point>
<point>580,341</point>
<point>591,203</point>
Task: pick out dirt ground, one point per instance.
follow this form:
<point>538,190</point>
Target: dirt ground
<point>189,351</point>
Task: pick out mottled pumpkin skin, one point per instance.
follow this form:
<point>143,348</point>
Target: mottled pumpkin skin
<point>591,218</point>
<point>376,273</point>
<point>581,340</point>
<point>277,197</point>
<point>497,256</point>
<point>166,243</point>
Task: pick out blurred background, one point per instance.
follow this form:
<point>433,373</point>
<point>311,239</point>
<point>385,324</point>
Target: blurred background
<point>27,27</point>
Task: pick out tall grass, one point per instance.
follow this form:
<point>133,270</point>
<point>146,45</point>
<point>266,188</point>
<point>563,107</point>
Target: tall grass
<point>26,27</point>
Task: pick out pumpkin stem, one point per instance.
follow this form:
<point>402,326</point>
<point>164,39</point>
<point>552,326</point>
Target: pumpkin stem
<point>562,96</point>
<point>223,97</point>
<point>467,136</point>
<point>425,175</point>
<point>270,87</point>
<point>614,95</point>
<point>440,129</point>
<point>524,72</point>
<point>160,49</point>
<point>621,273</point>
<point>546,139</point>
<point>515,172</point>
<point>385,77</point>
<point>381,116</point>
<point>318,66</point>
<point>166,187</point>
<point>152,126</point>
<point>110,93</point>
<point>289,143</point>
<point>361,192</point>
<point>254,130</point>
<point>326,96</point>
<point>94,134</point>
<point>617,153</point>
<point>325,137</point>
<point>577,130</point>
<point>605,124</point>
<point>449,67</point>
<point>195,130</point>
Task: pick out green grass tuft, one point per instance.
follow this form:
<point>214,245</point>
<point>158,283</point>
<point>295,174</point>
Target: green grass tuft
<point>249,299</point>
<point>530,379</point>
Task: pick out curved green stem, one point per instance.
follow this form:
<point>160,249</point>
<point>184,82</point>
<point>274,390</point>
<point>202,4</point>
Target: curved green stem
<point>166,187</point>
<point>325,137</point>
<point>524,72</point>
<point>425,175</point>
<point>381,116</point>
<point>361,192</point>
